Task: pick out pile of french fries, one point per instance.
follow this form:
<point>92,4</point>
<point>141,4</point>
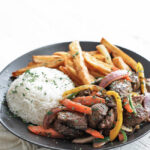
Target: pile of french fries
<point>84,66</point>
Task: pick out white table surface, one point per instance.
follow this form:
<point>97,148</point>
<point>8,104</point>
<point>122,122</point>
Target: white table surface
<point>29,24</point>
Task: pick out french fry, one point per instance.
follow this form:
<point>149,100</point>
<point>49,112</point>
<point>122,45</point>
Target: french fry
<point>95,64</point>
<point>70,72</point>
<point>78,60</point>
<point>91,52</point>
<point>22,70</point>
<point>31,64</point>
<point>69,61</point>
<point>46,58</point>
<point>102,49</point>
<point>53,64</point>
<point>63,69</point>
<point>113,49</point>
<point>119,63</point>
<point>99,57</point>
<point>94,73</point>
<point>61,53</point>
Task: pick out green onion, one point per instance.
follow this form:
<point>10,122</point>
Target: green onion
<point>97,140</point>
<point>71,96</point>
<point>131,104</point>
<point>124,136</point>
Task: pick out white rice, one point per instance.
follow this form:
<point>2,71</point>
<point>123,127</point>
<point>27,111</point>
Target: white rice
<point>36,91</point>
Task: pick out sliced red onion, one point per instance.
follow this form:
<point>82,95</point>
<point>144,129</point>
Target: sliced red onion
<point>115,75</point>
<point>51,115</point>
<point>147,103</point>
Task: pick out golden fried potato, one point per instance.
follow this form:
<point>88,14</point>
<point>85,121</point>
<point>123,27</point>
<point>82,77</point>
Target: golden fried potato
<point>113,49</point>
<point>95,64</point>
<point>119,63</point>
<point>79,63</point>
<point>102,49</point>
<point>46,58</point>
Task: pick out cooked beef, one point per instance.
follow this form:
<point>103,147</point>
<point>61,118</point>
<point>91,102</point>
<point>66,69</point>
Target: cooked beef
<point>107,123</point>
<point>110,102</point>
<point>131,119</point>
<point>148,84</point>
<point>51,116</point>
<point>73,119</point>
<point>106,132</point>
<point>67,131</point>
<point>146,104</point>
<point>98,112</point>
<point>135,81</point>
<point>86,92</point>
<point>123,87</point>
<point>138,99</point>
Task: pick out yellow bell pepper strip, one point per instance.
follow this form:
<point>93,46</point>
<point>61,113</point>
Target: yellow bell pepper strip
<point>134,94</point>
<point>140,71</point>
<point>80,88</point>
<point>115,131</point>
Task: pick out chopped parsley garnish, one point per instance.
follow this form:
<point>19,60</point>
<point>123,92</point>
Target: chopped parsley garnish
<point>21,84</point>
<point>54,82</point>
<point>94,96</point>
<point>27,89</point>
<point>14,91</point>
<point>49,112</point>
<point>76,121</point>
<point>40,88</point>
<point>59,59</point>
<point>23,94</point>
<point>75,54</point>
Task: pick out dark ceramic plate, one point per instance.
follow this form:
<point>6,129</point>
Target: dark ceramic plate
<point>19,128</point>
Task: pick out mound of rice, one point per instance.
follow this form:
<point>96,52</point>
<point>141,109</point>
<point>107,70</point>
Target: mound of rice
<point>35,92</point>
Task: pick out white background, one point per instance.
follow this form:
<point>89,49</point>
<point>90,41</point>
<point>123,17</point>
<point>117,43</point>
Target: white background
<point>29,24</point>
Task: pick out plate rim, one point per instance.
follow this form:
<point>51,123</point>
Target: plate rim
<point>55,148</point>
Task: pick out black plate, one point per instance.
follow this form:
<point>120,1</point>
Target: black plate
<point>19,128</point>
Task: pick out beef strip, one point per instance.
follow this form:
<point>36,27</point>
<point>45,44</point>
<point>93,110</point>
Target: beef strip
<point>107,123</point>
<point>67,131</point>
<point>131,119</point>
<point>123,87</point>
<point>110,102</point>
<point>86,92</point>
<point>73,119</point>
<point>138,99</point>
<point>98,112</point>
<point>135,81</point>
<point>146,104</point>
<point>148,84</point>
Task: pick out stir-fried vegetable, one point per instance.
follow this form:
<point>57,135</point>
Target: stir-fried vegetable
<point>122,136</point>
<point>80,88</point>
<point>89,100</point>
<point>131,103</point>
<point>76,106</point>
<point>127,105</point>
<point>116,75</point>
<point>97,143</point>
<point>39,130</point>
<point>94,133</point>
<point>97,140</point>
<point>72,95</point>
<point>141,76</point>
<point>127,129</point>
<point>115,131</point>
